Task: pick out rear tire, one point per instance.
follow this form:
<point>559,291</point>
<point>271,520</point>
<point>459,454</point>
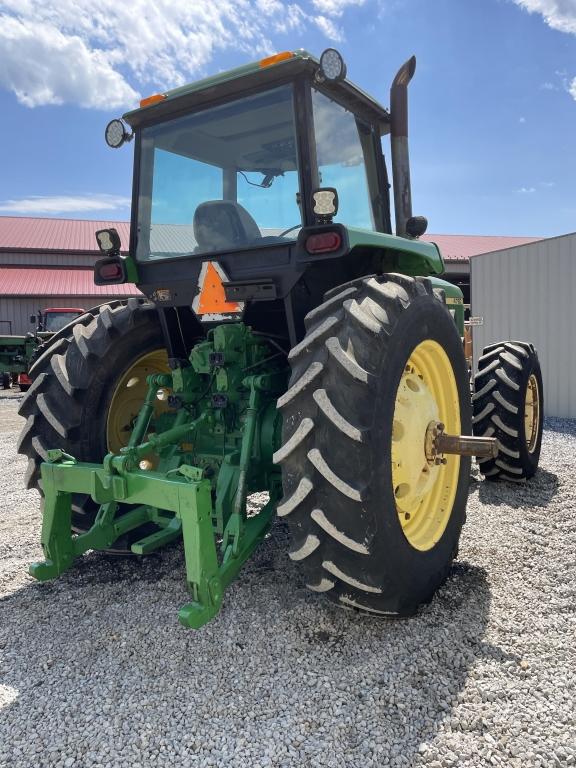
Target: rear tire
<point>74,381</point>
<point>341,501</point>
<point>508,380</point>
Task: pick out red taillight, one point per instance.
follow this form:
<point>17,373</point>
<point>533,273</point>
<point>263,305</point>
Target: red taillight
<point>109,271</point>
<point>325,242</point>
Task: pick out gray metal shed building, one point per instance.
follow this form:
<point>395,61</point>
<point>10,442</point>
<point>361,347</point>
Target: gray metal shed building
<point>528,293</point>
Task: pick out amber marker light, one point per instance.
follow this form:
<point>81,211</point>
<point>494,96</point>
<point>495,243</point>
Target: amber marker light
<point>154,99</point>
<point>276,59</point>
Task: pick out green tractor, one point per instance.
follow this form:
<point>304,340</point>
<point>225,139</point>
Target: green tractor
<point>289,343</point>
<point>17,353</point>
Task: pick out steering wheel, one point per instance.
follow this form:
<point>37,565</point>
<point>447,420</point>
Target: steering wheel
<point>291,229</point>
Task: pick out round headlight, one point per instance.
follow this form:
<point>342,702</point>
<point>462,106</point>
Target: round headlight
<point>115,134</point>
<point>332,65</point>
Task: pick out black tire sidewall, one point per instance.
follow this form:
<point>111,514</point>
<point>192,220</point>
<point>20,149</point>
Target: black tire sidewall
<point>424,569</point>
<point>122,353</point>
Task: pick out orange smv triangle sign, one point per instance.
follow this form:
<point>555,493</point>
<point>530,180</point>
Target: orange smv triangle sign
<point>210,302</point>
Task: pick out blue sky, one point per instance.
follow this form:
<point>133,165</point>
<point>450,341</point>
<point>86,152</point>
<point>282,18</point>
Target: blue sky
<point>492,111</point>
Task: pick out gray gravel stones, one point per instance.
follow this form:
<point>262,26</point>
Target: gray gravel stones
<point>96,671</point>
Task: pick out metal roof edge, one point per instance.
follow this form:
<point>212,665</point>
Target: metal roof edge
<point>52,251</point>
<point>523,245</point>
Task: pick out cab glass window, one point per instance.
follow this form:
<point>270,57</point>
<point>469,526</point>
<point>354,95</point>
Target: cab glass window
<point>343,146</point>
<point>220,179</point>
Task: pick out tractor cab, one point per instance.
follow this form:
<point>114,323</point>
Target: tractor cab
<point>267,171</point>
<point>238,168</point>
<point>241,174</point>
<point>53,319</point>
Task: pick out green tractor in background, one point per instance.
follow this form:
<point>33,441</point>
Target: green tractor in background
<point>17,353</point>
<point>289,343</point>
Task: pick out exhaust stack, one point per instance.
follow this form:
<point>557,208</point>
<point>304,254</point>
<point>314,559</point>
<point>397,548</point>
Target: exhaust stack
<point>399,143</point>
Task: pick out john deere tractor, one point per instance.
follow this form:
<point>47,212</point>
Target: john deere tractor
<point>288,342</point>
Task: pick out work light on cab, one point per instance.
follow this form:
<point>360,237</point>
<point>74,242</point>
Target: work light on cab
<point>325,204</point>
<point>116,134</point>
<point>332,65</point>
<point>108,241</point>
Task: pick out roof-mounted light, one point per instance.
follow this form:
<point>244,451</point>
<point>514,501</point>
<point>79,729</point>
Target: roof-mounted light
<point>275,59</point>
<point>116,134</point>
<point>332,66</point>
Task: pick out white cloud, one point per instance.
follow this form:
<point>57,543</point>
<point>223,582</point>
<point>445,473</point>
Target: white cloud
<point>558,14</point>
<point>526,190</point>
<point>330,29</point>
<point>43,66</point>
<point>102,53</point>
<point>335,7</point>
<point>522,120</point>
<point>58,204</point>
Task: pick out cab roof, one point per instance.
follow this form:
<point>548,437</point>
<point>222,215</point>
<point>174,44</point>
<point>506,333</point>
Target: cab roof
<point>258,74</point>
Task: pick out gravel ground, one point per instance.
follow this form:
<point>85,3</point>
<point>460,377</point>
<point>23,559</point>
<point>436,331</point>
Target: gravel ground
<point>96,671</point>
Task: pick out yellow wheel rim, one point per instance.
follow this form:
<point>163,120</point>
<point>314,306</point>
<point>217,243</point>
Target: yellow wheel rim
<point>129,395</point>
<point>532,413</point>
<point>424,491</point>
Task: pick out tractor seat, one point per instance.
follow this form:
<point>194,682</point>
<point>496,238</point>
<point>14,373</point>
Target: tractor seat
<point>222,224</point>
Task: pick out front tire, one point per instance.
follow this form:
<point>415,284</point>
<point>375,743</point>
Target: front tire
<point>355,472</point>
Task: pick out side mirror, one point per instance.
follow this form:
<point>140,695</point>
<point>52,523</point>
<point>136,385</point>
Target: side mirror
<point>416,226</point>
<point>33,319</point>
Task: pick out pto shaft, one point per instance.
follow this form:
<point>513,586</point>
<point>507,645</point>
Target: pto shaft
<point>464,445</point>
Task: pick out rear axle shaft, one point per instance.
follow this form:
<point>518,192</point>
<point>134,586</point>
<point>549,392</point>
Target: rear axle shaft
<point>438,443</point>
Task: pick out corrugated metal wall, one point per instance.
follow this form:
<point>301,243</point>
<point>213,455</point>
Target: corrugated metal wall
<point>18,310</point>
<point>528,293</point>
